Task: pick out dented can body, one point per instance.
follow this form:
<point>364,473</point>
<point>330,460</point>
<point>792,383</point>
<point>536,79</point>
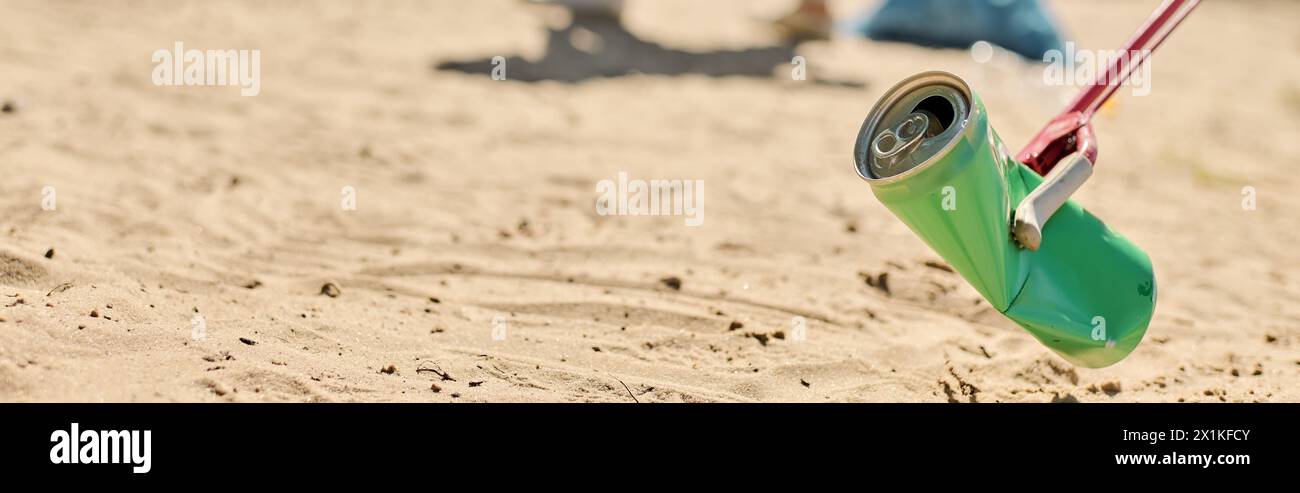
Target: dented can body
<point>1088,293</point>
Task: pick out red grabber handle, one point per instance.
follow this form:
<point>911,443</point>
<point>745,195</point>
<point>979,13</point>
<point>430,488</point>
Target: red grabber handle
<point>1071,131</point>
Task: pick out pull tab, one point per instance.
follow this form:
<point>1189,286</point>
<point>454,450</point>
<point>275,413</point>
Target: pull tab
<point>892,149</point>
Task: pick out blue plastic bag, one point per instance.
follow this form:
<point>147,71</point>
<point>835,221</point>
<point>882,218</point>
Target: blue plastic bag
<point>1020,26</point>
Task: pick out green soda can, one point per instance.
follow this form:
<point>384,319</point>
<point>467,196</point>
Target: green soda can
<point>930,156</point>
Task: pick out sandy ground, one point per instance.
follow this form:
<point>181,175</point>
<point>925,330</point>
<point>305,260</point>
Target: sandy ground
<point>475,205</point>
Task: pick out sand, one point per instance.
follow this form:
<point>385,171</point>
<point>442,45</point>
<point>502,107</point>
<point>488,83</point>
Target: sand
<point>474,212</point>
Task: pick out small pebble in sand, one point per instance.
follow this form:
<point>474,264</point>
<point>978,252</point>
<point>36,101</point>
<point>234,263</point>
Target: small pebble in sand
<point>880,282</point>
<point>49,253</point>
<point>1110,388</point>
<point>673,282</point>
<point>94,314</point>
<point>331,289</point>
<point>388,370</point>
<point>735,324</point>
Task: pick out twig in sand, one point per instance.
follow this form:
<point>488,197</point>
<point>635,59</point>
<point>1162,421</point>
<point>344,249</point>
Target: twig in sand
<point>59,289</point>
<point>436,370</point>
<point>629,392</point>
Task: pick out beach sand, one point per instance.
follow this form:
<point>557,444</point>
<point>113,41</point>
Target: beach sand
<point>474,213</point>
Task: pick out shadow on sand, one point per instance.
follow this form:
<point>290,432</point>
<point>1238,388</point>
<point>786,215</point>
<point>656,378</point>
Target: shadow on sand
<point>615,52</point>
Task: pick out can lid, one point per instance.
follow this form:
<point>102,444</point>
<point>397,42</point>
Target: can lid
<point>911,124</point>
